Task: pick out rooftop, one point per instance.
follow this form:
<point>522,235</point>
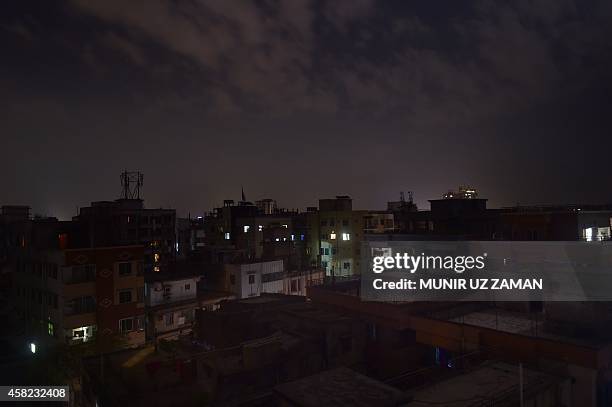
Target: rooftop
<point>497,383</point>
<point>522,324</point>
<point>339,387</point>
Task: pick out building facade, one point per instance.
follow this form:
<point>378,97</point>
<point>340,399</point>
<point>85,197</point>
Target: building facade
<point>75,295</point>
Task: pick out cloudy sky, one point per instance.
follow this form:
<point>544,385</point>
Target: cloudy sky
<point>302,99</point>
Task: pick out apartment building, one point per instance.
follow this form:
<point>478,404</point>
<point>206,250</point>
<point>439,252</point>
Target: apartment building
<point>246,280</point>
<point>128,222</point>
<point>335,232</point>
<point>74,295</point>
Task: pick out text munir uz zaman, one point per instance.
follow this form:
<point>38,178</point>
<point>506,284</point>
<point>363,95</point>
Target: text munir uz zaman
<point>458,264</point>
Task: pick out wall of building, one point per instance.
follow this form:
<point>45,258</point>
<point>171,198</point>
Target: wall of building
<point>170,291</point>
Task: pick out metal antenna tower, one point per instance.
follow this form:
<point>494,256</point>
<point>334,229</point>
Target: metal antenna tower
<point>131,182</point>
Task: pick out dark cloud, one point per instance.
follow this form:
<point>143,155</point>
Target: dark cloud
<point>360,97</point>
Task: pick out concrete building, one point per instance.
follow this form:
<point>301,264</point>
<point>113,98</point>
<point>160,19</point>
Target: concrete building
<point>128,222</point>
<point>469,218</point>
<point>74,295</point>
<point>172,299</point>
<point>246,280</point>
<point>267,236</point>
<point>221,226</point>
<point>335,232</point>
<point>447,334</point>
<point>270,339</point>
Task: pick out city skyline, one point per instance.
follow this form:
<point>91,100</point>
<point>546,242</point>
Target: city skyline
<point>302,100</point>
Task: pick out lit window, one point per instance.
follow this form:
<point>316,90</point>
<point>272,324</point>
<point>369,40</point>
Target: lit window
<point>227,236</point>
<point>156,257</point>
<point>292,237</point>
<point>260,228</point>
<point>246,228</point>
<point>332,236</point>
<point>156,269</point>
<point>346,236</point>
<point>285,226</point>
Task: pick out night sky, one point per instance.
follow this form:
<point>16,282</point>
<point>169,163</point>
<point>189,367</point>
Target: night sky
<point>304,99</point>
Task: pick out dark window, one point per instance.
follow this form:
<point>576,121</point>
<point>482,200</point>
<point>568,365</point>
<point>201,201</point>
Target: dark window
<point>79,305</point>
<point>232,279</point>
<point>125,269</point>
<point>187,286</point>
<point>251,278</point>
<point>345,222</point>
<point>84,273</point>
<point>53,271</point>
<point>125,296</point>
<point>169,319</point>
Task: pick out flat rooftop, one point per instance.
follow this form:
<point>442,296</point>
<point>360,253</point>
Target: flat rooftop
<point>339,387</point>
<point>521,324</point>
<point>494,383</point>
